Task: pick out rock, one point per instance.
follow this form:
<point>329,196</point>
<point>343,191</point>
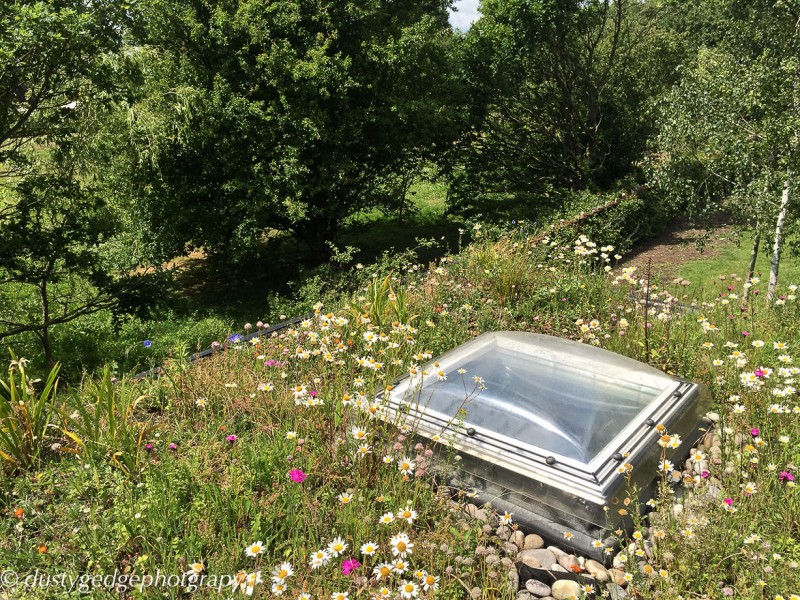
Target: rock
<point>510,549</point>
<point>597,571</point>
<point>518,539</point>
<point>649,549</point>
<point>537,588</point>
<point>481,515</point>
<point>615,592</point>
<point>620,561</point>
<point>503,532</point>
<point>525,595</point>
<point>533,542</point>
<point>668,557</point>
<point>618,576</point>
<point>565,588</point>
<point>712,416</point>
<point>677,510</point>
<point>537,558</point>
<point>558,568</point>
<point>556,551</point>
<point>513,579</point>
<point>569,562</point>
<point>471,509</point>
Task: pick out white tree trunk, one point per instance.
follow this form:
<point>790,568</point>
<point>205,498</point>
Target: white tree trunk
<point>778,245</point>
<point>753,256</point>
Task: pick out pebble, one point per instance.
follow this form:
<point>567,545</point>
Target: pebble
<point>556,551</point>
<point>712,416</point>
<point>615,592</point>
<point>504,533</point>
<point>525,595</point>
<point>596,570</point>
<point>513,578</point>
<point>569,562</point>
<point>649,549</point>
<point>537,588</point>
<point>618,575</point>
<point>565,588</point>
<point>510,549</point>
<point>536,558</point>
<point>558,568</point>
<point>518,539</point>
<point>476,513</point>
<point>533,542</point>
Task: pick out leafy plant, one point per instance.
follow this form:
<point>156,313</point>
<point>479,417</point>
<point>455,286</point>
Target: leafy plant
<point>108,427</point>
<point>24,415</point>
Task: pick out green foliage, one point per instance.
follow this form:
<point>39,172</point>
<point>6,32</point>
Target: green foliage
<point>288,116</point>
<point>728,130</point>
<point>25,416</point>
<point>561,96</point>
<point>51,63</point>
<point>107,427</point>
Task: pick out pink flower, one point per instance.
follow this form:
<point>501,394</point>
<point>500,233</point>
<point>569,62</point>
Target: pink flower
<point>705,474</point>
<point>313,393</point>
<point>173,446</point>
<point>754,431</point>
<point>350,565</point>
<point>231,438</point>
<point>785,476</point>
<point>745,333</point>
<point>297,475</point>
<point>728,501</point>
<point>759,372</point>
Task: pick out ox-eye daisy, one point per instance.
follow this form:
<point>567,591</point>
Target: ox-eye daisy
<point>254,549</point>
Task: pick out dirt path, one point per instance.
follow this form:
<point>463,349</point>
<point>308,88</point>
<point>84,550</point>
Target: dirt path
<point>679,244</point>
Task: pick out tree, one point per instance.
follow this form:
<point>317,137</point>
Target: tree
<point>56,81</point>
<point>283,115</point>
<point>561,94</point>
<point>50,59</point>
<point>729,137</point>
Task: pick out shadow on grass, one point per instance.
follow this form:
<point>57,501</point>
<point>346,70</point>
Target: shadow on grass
<point>206,285</point>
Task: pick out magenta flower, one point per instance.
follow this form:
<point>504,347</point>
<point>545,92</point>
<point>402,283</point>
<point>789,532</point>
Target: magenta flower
<point>231,438</point>
<point>173,446</point>
<point>759,372</point>
<point>728,501</point>
<point>755,431</point>
<point>745,333</point>
<point>297,475</point>
<point>785,476</point>
<point>350,565</point>
<point>313,393</point>
<point>705,474</point>
<point>148,447</point>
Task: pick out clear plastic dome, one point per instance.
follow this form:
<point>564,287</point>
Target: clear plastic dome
<point>562,397</point>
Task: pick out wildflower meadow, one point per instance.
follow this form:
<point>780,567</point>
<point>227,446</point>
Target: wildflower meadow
<point>273,469</point>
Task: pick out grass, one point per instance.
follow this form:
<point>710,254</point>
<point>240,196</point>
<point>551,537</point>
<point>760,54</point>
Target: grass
<point>275,445</point>
<point>209,300</point>
<point>733,256</point>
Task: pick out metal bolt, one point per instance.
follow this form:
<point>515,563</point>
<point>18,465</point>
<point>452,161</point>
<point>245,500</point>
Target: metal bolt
<point>471,431</point>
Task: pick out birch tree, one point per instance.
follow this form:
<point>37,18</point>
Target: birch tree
<point>728,137</point>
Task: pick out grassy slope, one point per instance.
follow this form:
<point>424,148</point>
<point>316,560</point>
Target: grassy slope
<point>147,509</point>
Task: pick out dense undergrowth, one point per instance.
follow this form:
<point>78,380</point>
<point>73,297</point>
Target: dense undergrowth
<point>266,468</point>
